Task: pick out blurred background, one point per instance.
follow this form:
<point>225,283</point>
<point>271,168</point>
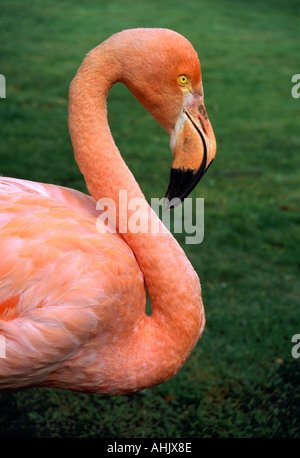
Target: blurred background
<point>241,379</point>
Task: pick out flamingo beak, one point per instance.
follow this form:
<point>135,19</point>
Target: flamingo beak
<point>193,144</point>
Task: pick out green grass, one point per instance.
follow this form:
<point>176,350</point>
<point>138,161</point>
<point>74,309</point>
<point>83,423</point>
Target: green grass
<point>241,380</point>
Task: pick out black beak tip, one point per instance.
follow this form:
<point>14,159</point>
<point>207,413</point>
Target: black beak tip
<point>182,182</point>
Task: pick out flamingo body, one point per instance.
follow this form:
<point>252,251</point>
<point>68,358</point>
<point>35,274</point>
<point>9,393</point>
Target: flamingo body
<point>72,297</point>
<point>63,280</point>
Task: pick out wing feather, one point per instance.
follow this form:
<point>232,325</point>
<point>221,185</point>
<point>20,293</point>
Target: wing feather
<point>62,283</point>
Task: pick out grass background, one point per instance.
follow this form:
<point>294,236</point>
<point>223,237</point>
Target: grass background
<point>241,380</point>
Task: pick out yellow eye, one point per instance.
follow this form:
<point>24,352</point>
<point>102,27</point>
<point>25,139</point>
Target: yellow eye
<point>183,80</point>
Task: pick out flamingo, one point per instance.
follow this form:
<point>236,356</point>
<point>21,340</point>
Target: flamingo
<point>72,297</point>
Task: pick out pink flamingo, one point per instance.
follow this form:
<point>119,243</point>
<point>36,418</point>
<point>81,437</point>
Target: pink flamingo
<point>72,298</point>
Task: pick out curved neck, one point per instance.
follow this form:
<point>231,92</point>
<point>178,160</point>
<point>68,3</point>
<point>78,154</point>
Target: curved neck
<point>164,340</point>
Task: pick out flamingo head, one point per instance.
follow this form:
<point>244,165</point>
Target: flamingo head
<point>162,70</point>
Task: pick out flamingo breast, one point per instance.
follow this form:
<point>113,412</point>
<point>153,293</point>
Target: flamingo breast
<point>65,289</point>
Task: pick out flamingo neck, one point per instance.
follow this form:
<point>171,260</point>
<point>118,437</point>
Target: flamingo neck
<point>164,340</point>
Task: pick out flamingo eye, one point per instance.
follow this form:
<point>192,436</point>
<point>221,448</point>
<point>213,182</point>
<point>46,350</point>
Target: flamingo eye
<point>183,80</point>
